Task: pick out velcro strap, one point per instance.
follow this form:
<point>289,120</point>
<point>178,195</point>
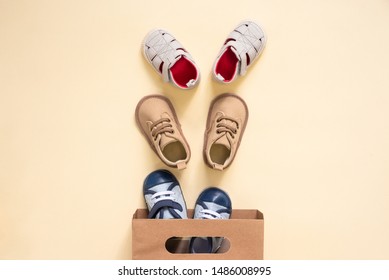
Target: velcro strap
<point>241,49</point>
<point>164,203</point>
<point>168,62</point>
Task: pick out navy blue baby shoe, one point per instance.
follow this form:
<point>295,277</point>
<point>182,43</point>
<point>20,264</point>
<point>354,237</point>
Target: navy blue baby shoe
<point>163,196</point>
<point>212,203</point>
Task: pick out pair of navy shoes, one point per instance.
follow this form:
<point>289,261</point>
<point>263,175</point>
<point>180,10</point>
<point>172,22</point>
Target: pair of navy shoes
<point>165,200</point>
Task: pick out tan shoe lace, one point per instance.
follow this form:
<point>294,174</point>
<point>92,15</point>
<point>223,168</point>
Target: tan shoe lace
<point>225,127</point>
<point>161,126</point>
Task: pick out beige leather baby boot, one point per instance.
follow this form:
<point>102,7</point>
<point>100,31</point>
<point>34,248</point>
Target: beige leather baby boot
<point>226,122</point>
<point>157,120</point>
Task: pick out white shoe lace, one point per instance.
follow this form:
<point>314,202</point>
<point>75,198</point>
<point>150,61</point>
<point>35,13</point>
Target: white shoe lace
<point>163,195</point>
<point>210,214</point>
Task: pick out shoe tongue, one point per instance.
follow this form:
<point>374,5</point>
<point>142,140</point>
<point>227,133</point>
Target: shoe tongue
<point>165,140</point>
<point>223,140</point>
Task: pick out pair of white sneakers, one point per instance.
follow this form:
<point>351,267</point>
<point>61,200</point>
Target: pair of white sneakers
<point>174,63</point>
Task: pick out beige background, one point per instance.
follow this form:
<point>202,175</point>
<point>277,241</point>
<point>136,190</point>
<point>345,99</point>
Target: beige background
<point>314,158</point>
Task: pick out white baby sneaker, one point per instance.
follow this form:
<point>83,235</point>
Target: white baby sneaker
<point>169,58</point>
<point>244,44</point>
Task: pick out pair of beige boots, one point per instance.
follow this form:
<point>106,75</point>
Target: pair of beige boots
<point>226,122</point>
